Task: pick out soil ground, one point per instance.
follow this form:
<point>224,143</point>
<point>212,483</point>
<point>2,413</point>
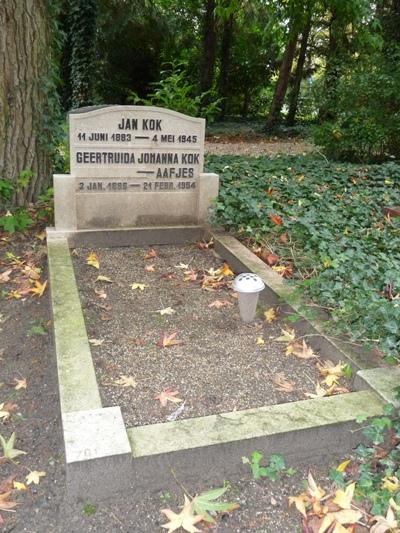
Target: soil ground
<point>225,145</point>
<point>218,367</point>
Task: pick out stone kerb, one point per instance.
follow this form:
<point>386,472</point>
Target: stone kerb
<point>133,166</point>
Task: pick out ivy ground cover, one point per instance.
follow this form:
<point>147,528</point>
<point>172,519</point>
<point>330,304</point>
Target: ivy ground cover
<point>321,225</point>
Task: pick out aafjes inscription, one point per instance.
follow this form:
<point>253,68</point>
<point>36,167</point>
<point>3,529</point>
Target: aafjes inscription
<point>133,166</point>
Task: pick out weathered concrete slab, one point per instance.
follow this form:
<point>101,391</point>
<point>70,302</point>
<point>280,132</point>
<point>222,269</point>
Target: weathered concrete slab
<point>382,381</point>
<point>210,448</point>
<point>97,452</point>
<point>76,375</point>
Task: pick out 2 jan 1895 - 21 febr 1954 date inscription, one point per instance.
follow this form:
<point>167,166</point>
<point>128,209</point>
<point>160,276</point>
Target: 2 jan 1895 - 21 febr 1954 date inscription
<point>139,149</point>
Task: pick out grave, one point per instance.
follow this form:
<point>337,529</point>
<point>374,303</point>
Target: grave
<point>137,179</point>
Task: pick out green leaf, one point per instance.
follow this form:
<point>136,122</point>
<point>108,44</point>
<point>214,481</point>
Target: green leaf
<point>9,452</point>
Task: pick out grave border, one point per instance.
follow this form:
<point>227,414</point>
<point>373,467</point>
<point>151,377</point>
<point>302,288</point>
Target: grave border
<point>104,457</point>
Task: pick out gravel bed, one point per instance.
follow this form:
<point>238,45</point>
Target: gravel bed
<point>223,146</point>
<point>219,367</point>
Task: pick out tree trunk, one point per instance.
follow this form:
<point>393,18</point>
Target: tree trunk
<point>226,45</point>
<point>209,48</point>
<point>24,66</point>
<point>283,82</point>
<point>298,76</point>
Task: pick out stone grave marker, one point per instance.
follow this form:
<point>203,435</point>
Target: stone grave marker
<point>133,167</point>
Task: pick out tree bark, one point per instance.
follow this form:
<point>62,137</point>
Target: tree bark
<point>226,45</point>
<point>298,76</point>
<point>209,47</point>
<point>283,81</point>
<point>24,64</point>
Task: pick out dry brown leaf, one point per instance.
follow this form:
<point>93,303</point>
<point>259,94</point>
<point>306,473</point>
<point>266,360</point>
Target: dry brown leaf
<point>125,381</point>
<point>100,293</point>
<point>20,383</point>
<point>150,268</point>
<point>169,340</point>
<point>300,350</point>
<point>218,304</point>
<point>168,395</point>
<point>283,384</point>
<point>151,254</point>
<point>270,315</point>
<point>5,503</point>
<point>5,276</point>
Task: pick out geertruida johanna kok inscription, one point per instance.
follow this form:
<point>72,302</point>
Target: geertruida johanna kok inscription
<point>133,166</point>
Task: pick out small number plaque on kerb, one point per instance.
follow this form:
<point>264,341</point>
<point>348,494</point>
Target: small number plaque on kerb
<point>133,166</point>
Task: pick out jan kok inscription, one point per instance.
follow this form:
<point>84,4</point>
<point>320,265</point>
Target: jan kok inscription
<point>133,166</point>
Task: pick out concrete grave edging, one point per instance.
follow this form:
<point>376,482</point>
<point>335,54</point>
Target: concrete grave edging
<point>102,456</point>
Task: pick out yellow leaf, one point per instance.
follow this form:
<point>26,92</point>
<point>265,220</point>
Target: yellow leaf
<point>260,341</point>
<point>139,286</point>
<point>344,498</point>
<point>287,336</point>
<point>342,467</point>
<point>96,342</point>
<point>166,311</point>
<point>331,380</point>
<point>103,278</point>
<point>38,288</point>
<point>92,260</point>
<point>301,350</point>
<point>391,483</point>
<point>186,519</point>
<point>19,486</point>
<point>224,270</point>
<point>34,477</point>
<point>270,315</point>
<point>300,503</point>
<point>347,516</point>
<point>315,491</point>
<point>326,523</point>
<point>320,392</point>
<point>20,383</point>
<point>125,381</point>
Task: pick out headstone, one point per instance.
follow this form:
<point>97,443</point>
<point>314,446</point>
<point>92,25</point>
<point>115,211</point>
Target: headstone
<point>131,167</point>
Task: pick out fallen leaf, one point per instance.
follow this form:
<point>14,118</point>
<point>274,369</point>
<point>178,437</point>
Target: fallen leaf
<point>151,253</point>
<point>218,304</point>
<point>224,271</point>
<point>125,381</point>
<point>391,483</point>
<point>204,245</point>
<point>5,503</point>
<point>138,286</point>
<point>182,266</point>
<point>16,295</point>
<point>283,384</point>
<point>41,236</point>
<point>260,341</point>
<point>384,524</point>
<point>344,498</point>
<point>168,395</point>
<point>6,410</point>
<point>270,315</point>
<point>20,383</point>
<point>93,260</point>
<point>185,519</point>
<point>343,465</point>
<point>300,503</point>
<point>169,340</point>
<point>150,268</point>
<point>5,276</point>
<point>166,311</point>
<point>96,342</point>
<point>9,452</point>
<point>275,219</point>
<point>287,336</point>
<point>285,271</point>
<point>100,293</point>
<point>204,503</point>
<point>190,275</point>
<point>38,288</point>
<point>17,485</point>
<point>270,259</point>
<point>320,392</point>
<point>300,350</point>
<point>103,278</point>
<point>34,477</point>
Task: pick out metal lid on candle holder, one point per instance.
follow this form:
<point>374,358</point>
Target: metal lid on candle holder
<point>248,283</point>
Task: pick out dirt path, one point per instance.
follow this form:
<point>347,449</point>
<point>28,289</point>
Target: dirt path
<point>230,146</point>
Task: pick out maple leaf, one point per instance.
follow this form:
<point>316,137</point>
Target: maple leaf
<point>38,288</point>
<point>169,340</point>
<point>300,502</point>
<point>287,336</point>
<point>384,523</point>
<point>204,503</point>
<point>224,271</point>
<point>17,485</point>
<point>260,341</point>
<point>138,286</point>
<point>125,381</point>
<point>150,268</point>
<point>34,477</point>
<point>344,498</point>
<point>5,503</point>
<point>168,395</point>
<point>320,392</point>
<point>96,342</point>
<point>151,253</point>
<point>166,311</point>
<point>93,260</point>
<point>8,447</point>
<point>185,519</point>
<point>331,372</point>
<point>275,219</point>
<point>6,409</point>
<point>16,295</point>
<point>103,278</point>
<point>218,304</point>
<point>5,276</point>
<point>270,315</point>
<point>190,275</point>
<point>300,350</point>
<point>282,384</point>
<point>285,271</point>
<point>20,383</point>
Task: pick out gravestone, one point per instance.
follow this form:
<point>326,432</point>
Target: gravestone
<point>133,167</point>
